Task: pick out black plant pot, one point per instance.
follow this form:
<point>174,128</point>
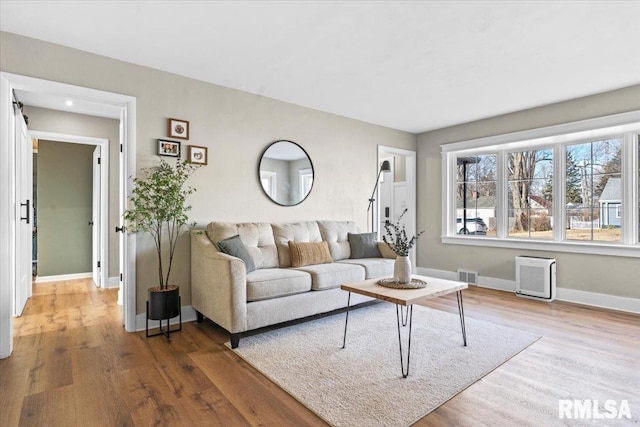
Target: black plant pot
<point>164,304</point>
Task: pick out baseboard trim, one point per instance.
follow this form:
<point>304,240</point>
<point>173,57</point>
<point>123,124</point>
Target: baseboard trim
<point>440,274</point>
<point>613,302</point>
<point>114,282</point>
<point>188,315</point>
<point>592,299</point>
<point>61,277</point>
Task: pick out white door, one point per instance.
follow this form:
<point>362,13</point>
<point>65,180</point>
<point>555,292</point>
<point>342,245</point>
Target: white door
<point>96,219</point>
<point>385,195</point>
<point>24,214</point>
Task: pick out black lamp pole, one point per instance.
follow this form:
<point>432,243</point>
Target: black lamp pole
<point>385,167</point>
<point>464,161</point>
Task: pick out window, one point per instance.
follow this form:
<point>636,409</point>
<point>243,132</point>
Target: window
<point>530,193</point>
<point>305,182</point>
<point>476,195</point>
<point>593,193</point>
<point>569,186</point>
<point>269,184</point>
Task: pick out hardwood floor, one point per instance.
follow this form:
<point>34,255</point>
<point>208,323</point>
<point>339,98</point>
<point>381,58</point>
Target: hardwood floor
<point>74,365</point>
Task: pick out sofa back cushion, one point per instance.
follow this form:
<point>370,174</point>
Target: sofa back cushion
<point>256,236</point>
<point>336,234</point>
<point>295,231</point>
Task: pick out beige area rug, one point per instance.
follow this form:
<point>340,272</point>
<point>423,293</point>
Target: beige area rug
<point>362,385</point>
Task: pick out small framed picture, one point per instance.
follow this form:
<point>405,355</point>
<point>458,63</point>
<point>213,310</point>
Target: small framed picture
<point>198,155</point>
<point>168,148</point>
<point>178,129</point>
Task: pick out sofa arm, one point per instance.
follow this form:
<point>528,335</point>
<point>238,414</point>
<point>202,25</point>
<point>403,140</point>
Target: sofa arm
<point>218,284</point>
<point>386,251</point>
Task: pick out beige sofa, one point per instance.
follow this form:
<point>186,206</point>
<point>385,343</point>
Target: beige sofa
<point>275,292</point>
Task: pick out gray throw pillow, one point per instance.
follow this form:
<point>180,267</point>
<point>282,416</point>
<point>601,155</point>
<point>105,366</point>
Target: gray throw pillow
<point>233,246</point>
<point>364,245</point>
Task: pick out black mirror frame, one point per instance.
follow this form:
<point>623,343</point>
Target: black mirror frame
<point>313,169</point>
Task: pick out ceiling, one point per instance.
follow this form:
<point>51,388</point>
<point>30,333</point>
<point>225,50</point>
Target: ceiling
<point>413,66</point>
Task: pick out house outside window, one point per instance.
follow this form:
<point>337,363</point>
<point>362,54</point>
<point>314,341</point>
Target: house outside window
<point>591,168</point>
<point>567,188</point>
<point>476,195</point>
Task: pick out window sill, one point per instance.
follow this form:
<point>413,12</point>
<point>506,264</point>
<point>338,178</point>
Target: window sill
<point>610,249</point>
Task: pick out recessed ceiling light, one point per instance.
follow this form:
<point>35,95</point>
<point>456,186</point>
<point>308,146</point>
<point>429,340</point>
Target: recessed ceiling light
<point>69,102</point>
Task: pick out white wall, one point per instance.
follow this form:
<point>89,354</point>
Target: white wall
<point>592,273</point>
<point>236,127</point>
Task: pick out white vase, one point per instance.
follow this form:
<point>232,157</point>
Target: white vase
<point>402,269</point>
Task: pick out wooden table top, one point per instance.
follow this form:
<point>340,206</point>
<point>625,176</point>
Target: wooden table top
<point>435,288</point>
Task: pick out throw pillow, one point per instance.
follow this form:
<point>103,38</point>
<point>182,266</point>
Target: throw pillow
<point>364,245</point>
<point>304,253</point>
<point>233,246</point>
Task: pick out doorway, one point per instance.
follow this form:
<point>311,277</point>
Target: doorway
<point>397,191</point>
<point>89,101</point>
<point>90,168</point>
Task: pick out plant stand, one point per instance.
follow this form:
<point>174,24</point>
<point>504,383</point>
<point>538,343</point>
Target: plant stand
<point>168,331</point>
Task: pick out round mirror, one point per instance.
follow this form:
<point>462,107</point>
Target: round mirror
<point>286,173</point>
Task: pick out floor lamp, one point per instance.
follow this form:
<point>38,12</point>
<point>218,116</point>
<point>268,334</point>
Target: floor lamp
<point>384,167</point>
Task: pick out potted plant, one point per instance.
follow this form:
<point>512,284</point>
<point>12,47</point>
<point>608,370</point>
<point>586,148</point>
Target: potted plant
<point>396,237</point>
<point>158,207</point>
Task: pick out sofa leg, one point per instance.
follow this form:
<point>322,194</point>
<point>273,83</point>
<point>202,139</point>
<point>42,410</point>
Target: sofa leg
<point>235,340</point>
<point>199,317</point>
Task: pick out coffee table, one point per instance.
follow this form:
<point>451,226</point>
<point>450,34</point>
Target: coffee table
<point>404,300</point>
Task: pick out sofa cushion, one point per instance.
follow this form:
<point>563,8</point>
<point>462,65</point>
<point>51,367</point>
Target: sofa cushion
<point>328,276</point>
<point>298,232</point>
<point>364,245</point>
<point>308,253</point>
<point>256,236</point>
<point>336,234</point>
<point>233,246</point>
<point>374,267</point>
<point>276,282</point>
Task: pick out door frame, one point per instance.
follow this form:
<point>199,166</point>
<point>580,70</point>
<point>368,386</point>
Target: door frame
<point>127,108</point>
<point>381,192</point>
<point>411,189</point>
<point>104,189</point>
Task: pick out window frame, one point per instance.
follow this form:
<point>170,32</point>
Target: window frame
<point>557,137</point>
<point>304,176</point>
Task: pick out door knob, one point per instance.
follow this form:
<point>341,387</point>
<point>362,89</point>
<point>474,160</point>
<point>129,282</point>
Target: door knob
<point>119,229</point>
<point>91,223</point>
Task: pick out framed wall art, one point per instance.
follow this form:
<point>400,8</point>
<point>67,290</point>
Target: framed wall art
<point>168,148</point>
<point>198,155</point>
<point>178,129</point>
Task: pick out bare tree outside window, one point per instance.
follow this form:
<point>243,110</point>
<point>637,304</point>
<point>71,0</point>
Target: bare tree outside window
<point>530,201</point>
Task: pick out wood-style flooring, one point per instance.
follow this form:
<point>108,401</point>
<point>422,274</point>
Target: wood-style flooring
<point>74,365</point>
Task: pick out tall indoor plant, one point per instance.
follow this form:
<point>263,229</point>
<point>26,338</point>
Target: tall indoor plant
<point>157,206</point>
<point>396,237</point>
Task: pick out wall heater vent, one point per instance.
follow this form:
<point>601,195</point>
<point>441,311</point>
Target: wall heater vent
<point>469,277</point>
<point>536,278</point>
